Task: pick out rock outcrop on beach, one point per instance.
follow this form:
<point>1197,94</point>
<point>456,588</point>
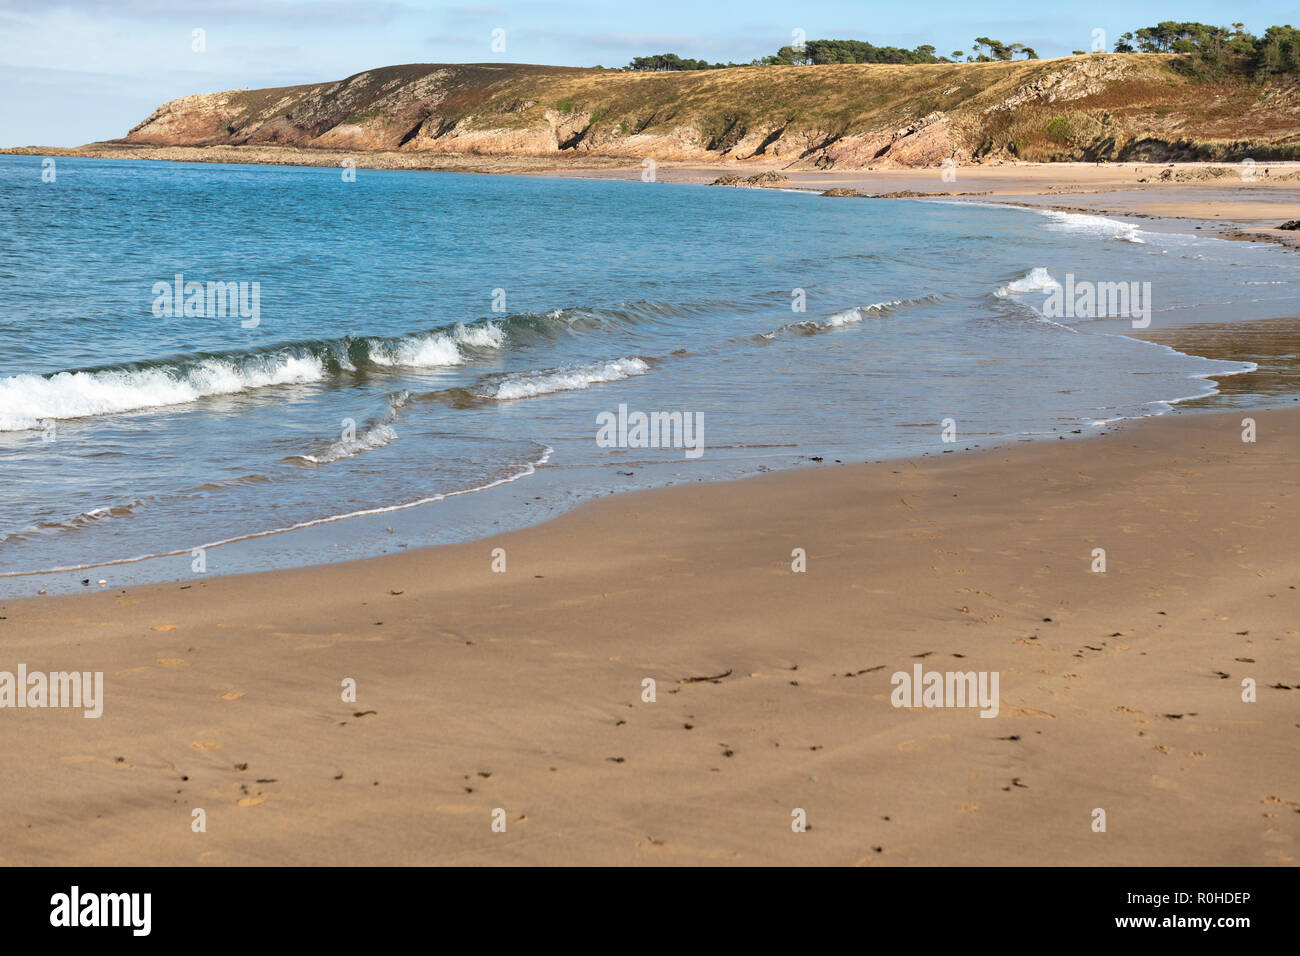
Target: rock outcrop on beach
<point>768,178</point>
<point>1130,107</point>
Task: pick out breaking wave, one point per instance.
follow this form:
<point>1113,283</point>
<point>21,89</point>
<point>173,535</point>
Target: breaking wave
<point>839,320</point>
<point>376,434</point>
<point>1036,279</point>
<point>83,520</point>
<point>26,401</point>
<point>1097,225</point>
<point>566,379</point>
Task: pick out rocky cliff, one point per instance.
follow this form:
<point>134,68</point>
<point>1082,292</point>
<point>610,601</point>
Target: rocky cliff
<point>1101,106</point>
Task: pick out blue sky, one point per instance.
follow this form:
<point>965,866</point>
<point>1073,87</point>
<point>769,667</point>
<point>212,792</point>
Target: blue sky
<point>75,71</point>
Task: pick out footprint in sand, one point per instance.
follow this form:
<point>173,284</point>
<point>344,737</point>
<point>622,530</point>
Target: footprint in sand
<point>652,844</point>
<point>1030,712</point>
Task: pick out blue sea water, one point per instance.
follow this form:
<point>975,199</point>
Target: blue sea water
<point>422,339</point>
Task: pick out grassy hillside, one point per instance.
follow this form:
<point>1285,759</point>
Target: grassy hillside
<point>1101,106</point>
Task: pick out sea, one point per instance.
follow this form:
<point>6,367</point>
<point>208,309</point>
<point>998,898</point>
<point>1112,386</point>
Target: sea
<point>215,369</point>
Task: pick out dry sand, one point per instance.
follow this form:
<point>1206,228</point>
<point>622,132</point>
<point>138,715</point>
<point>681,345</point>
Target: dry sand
<point>522,690</point>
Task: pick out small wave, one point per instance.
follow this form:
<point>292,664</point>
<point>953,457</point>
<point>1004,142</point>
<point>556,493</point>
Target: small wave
<point>28,401</point>
<point>377,433</point>
<point>1036,279</point>
<point>253,479</point>
<point>83,520</point>
<point>857,314</point>
<point>622,315</point>
<point>1097,225</point>
<point>375,437</point>
<point>566,379</point>
<point>529,468</point>
<point>836,320</point>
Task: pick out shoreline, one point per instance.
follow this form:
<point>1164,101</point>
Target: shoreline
<point>63,580</point>
<point>521,690</point>
<point>1196,197</point>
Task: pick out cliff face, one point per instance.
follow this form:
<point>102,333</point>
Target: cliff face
<point>1102,106</point>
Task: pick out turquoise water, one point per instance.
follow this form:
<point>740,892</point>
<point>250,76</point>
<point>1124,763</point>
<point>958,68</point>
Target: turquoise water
<point>424,335</point>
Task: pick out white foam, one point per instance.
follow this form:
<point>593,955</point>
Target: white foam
<point>857,314</point>
<point>487,336</point>
<point>371,438</point>
<point>429,352</point>
<point>28,400</point>
<point>836,320</point>
<point>1097,225</point>
<point>1036,279</point>
<point>529,384</point>
<point>439,348</point>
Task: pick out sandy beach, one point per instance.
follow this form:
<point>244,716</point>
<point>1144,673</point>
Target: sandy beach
<point>476,690</point>
<point>1231,200</point>
<point>1228,199</point>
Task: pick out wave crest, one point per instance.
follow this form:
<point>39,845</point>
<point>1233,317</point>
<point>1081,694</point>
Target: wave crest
<point>836,320</point>
<point>27,401</point>
<point>1036,279</point>
<point>566,379</point>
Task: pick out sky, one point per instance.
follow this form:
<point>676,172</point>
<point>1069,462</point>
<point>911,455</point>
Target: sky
<point>77,71</point>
